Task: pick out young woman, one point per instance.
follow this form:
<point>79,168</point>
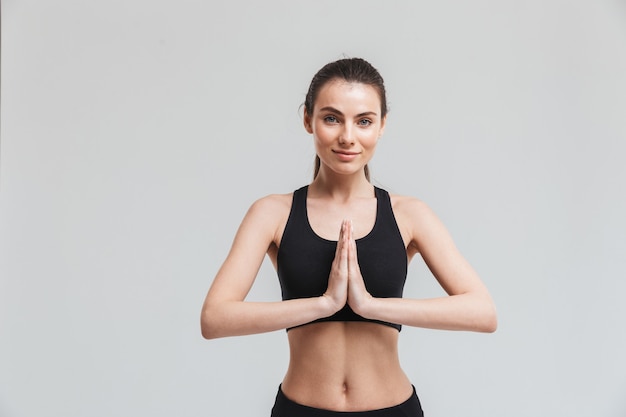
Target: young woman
<point>341,247</point>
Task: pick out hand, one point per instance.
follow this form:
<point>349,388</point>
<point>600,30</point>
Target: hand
<point>337,291</point>
<point>358,296</point>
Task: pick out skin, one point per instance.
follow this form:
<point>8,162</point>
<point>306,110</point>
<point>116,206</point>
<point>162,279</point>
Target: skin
<point>344,366</point>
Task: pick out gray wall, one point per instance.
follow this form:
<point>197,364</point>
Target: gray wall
<point>135,134</point>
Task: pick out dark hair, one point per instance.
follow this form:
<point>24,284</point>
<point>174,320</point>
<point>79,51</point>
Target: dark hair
<point>356,70</point>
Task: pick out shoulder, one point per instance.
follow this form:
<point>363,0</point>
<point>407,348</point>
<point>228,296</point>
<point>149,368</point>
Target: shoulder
<point>270,214</point>
<point>415,219</point>
<point>272,202</point>
<point>271,208</point>
<point>409,207</point>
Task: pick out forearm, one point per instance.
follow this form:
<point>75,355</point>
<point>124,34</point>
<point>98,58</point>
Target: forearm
<point>471,312</point>
<point>237,318</point>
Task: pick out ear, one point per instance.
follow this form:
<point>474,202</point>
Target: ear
<point>307,122</point>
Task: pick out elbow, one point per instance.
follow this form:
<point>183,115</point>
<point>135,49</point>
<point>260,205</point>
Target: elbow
<point>489,322</point>
<point>490,325</point>
<point>207,331</point>
<point>208,327</point>
<point>485,317</point>
<point>217,321</point>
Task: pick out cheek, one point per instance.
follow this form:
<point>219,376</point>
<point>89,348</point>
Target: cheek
<point>320,140</point>
<point>371,140</point>
<point>323,133</point>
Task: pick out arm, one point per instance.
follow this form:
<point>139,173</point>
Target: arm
<point>225,313</point>
<point>468,306</point>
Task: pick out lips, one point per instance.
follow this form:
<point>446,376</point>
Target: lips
<point>346,156</point>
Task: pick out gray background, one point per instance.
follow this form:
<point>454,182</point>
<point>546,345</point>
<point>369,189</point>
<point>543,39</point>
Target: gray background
<point>135,134</point>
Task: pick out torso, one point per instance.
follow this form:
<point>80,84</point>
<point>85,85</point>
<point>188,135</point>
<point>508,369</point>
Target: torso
<point>343,366</point>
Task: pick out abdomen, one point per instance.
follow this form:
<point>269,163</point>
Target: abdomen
<point>345,366</point>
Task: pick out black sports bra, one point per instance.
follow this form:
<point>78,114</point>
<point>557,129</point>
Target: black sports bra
<point>304,259</point>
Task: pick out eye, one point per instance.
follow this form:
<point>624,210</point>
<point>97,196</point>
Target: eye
<point>364,122</point>
<point>330,119</point>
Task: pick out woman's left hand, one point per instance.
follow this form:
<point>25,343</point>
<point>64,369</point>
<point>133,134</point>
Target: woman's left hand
<point>358,297</point>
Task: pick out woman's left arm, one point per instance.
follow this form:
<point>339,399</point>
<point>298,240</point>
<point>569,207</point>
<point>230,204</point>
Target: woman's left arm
<point>468,305</point>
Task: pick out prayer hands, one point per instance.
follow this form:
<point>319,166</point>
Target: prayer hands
<point>345,283</point>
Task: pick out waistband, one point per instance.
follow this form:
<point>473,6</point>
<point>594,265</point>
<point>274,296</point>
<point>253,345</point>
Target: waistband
<point>284,407</point>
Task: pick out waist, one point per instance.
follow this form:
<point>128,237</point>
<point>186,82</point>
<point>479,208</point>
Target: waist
<point>286,407</point>
<point>345,366</point>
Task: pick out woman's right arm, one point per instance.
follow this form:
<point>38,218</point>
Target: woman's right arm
<point>225,313</point>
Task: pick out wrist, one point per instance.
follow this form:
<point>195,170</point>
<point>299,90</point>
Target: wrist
<point>328,306</point>
<point>365,306</point>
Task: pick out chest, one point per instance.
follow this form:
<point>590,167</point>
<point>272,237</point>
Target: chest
<point>325,218</point>
<point>308,247</point>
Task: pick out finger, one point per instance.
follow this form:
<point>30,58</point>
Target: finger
<point>353,259</point>
<point>340,240</point>
<point>350,229</point>
<point>345,246</point>
<point>351,241</point>
<point>353,263</point>
<point>340,263</point>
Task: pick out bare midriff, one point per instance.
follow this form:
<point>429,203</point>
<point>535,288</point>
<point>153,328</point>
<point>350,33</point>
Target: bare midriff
<point>345,366</point>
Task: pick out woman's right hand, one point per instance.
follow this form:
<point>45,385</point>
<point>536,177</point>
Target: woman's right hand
<point>337,291</point>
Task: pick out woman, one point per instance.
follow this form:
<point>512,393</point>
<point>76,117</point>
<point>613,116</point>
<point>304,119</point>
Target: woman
<point>341,248</point>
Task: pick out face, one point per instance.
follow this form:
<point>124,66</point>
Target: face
<point>346,124</point>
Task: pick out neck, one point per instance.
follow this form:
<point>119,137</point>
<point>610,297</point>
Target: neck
<point>341,186</point>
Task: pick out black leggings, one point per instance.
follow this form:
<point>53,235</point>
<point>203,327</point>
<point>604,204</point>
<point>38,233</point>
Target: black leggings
<point>284,407</point>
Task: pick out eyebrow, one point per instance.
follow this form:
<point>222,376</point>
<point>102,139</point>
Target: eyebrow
<point>334,110</point>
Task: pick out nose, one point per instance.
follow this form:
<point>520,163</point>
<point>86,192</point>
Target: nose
<point>347,135</point>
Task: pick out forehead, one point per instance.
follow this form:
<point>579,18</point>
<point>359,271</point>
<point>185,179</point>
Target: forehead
<point>344,94</point>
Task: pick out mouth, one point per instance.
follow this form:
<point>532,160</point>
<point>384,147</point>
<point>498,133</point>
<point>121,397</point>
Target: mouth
<point>345,156</point>
<point>348,153</point>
